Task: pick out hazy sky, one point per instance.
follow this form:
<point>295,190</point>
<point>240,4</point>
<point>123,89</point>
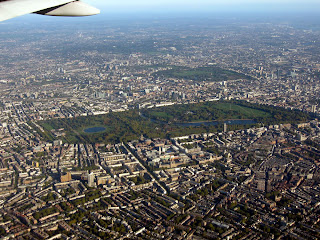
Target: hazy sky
<point>208,5</point>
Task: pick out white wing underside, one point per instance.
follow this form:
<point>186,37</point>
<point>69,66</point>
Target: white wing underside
<point>14,8</point>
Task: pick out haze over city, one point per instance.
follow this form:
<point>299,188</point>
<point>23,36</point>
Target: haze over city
<point>210,5</point>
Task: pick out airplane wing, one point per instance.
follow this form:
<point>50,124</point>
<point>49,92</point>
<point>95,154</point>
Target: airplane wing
<point>14,8</point>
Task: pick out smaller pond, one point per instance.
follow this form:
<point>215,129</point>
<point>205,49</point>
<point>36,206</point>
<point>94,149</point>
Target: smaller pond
<point>94,130</point>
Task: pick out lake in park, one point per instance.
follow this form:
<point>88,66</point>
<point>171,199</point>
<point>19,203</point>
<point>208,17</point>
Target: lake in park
<point>94,130</point>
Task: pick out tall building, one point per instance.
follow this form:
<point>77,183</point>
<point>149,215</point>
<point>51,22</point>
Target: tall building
<point>91,179</point>
<point>225,126</point>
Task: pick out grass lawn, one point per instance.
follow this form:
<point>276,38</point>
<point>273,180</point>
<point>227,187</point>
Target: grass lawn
<point>249,112</point>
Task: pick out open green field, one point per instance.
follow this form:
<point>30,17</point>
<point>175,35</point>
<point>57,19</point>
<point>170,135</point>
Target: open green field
<point>247,111</point>
<point>167,121</point>
<point>209,111</point>
<point>212,74</point>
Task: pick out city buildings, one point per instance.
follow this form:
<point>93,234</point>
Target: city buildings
<point>254,183</point>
